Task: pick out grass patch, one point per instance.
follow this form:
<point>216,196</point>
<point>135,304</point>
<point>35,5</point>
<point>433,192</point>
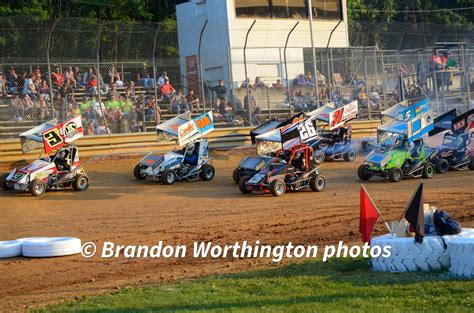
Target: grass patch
<point>312,286</point>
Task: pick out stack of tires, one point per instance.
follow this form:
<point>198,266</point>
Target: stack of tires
<point>407,255</point>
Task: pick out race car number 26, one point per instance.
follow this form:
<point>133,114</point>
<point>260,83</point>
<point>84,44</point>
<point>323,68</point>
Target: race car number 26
<point>307,130</point>
<point>53,138</point>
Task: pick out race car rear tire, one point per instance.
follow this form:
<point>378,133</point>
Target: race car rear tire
<point>428,170</point>
<point>81,183</point>
<point>37,187</point>
<point>207,172</point>
<point>350,156</point>
<point>318,157</point>
<point>277,188</point>
<point>236,175</point>
<point>243,185</point>
<point>363,172</point>
<point>317,183</point>
<point>395,175</point>
<point>168,177</point>
<point>4,184</point>
<point>137,172</point>
<point>441,166</point>
<point>471,164</point>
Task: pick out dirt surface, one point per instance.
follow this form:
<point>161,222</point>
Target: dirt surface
<point>120,209</point>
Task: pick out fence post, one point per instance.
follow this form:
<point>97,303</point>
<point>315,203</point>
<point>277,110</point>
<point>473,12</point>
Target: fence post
<point>155,89</point>
<point>366,84</point>
<point>313,50</point>
<point>286,66</point>
<point>97,42</point>
<point>49,65</point>
<point>201,78</point>
<point>246,74</point>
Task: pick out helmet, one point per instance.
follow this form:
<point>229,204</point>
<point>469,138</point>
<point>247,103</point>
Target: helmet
<point>190,149</point>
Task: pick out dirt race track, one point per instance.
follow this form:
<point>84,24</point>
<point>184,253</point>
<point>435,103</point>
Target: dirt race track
<point>120,209</point>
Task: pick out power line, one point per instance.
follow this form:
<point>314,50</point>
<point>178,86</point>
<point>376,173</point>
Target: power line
<point>412,11</point>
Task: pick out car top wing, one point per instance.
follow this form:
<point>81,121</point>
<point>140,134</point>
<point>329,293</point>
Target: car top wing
<point>63,133</point>
<point>169,130</point>
<point>196,128</point>
<point>33,138</point>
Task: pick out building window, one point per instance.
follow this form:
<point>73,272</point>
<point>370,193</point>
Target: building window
<point>294,9</point>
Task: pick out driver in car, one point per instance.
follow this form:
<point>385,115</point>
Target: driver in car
<point>61,161</point>
<point>298,162</point>
<point>191,156</point>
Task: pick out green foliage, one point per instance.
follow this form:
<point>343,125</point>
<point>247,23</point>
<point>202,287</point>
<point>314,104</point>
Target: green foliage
<point>337,286</point>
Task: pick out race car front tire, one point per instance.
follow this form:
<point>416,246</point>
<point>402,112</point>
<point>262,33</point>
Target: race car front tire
<point>168,177</point>
<point>207,172</point>
<point>236,175</point>
<point>471,164</point>
<point>441,166</point>
<point>37,187</point>
<point>243,187</point>
<point>81,183</point>
<point>350,156</point>
<point>363,172</point>
<point>277,188</point>
<point>395,175</point>
<point>4,184</point>
<point>428,170</point>
<point>137,172</point>
<point>317,183</point>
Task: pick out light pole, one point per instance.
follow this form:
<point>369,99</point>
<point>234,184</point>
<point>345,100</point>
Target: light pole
<point>315,72</point>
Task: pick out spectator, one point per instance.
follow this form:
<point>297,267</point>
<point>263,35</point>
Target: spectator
<point>29,87</point>
<point>193,100</point>
<point>152,110</point>
<point>28,106</point>
<point>301,80</point>
<point>78,77</point>
<point>374,97</point>
<point>167,90</point>
<point>67,92</point>
<point>362,97</point>
<point>58,105</point>
<point>224,110</point>
<point>57,77</point>
<point>3,84</point>
<point>114,77</point>
<point>251,109</point>
<point>144,76</point>
<point>309,79</point>
<point>42,108</point>
<point>21,81</point>
<point>259,83</point>
<point>12,80</point>
<point>246,83</point>
<point>323,95</point>
<point>44,90</point>
<point>101,129</point>
<point>16,107</point>
<point>69,77</point>
<point>87,76</point>
<point>162,78</point>
<point>178,103</point>
<point>295,102</point>
<point>220,90</point>
<point>321,80</point>
<point>114,93</point>
<point>278,84</point>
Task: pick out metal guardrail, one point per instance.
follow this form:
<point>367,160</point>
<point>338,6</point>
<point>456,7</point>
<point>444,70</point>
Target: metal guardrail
<point>140,143</point>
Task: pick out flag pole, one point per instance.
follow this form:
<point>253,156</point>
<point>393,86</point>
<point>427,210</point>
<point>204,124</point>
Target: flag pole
<point>377,209</point>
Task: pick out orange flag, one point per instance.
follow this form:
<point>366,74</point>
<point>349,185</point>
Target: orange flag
<point>368,215</point>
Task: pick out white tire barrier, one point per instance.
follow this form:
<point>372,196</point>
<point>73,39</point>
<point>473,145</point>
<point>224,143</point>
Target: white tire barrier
<point>50,247</point>
<point>461,252</point>
<point>10,249</point>
<point>407,255</point>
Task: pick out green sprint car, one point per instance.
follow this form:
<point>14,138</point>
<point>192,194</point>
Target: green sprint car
<point>404,159</point>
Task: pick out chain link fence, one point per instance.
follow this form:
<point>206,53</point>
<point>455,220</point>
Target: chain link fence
<point>111,73</point>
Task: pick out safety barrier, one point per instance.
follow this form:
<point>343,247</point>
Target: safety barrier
<point>140,143</point>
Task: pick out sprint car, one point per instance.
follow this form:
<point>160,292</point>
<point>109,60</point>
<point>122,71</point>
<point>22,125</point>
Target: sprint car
<point>59,171</point>
<point>188,163</point>
<point>292,169</point>
<point>455,153</point>
<point>335,146</point>
<point>399,161</point>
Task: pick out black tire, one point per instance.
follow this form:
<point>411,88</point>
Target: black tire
<point>37,187</point>
<point>137,172</point>
<point>4,184</point>
<point>168,177</point>
<point>236,175</point>
<point>317,183</point>
<point>363,172</point>
<point>471,164</point>
<point>428,170</point>
<point>441,166</point>
<point>243,185</point>
<point>318,157</point>
<point>207,172</point>
<point>80,183</point>
<point>395,175</point>
<point>277,188</point>
<point>350,155</point>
